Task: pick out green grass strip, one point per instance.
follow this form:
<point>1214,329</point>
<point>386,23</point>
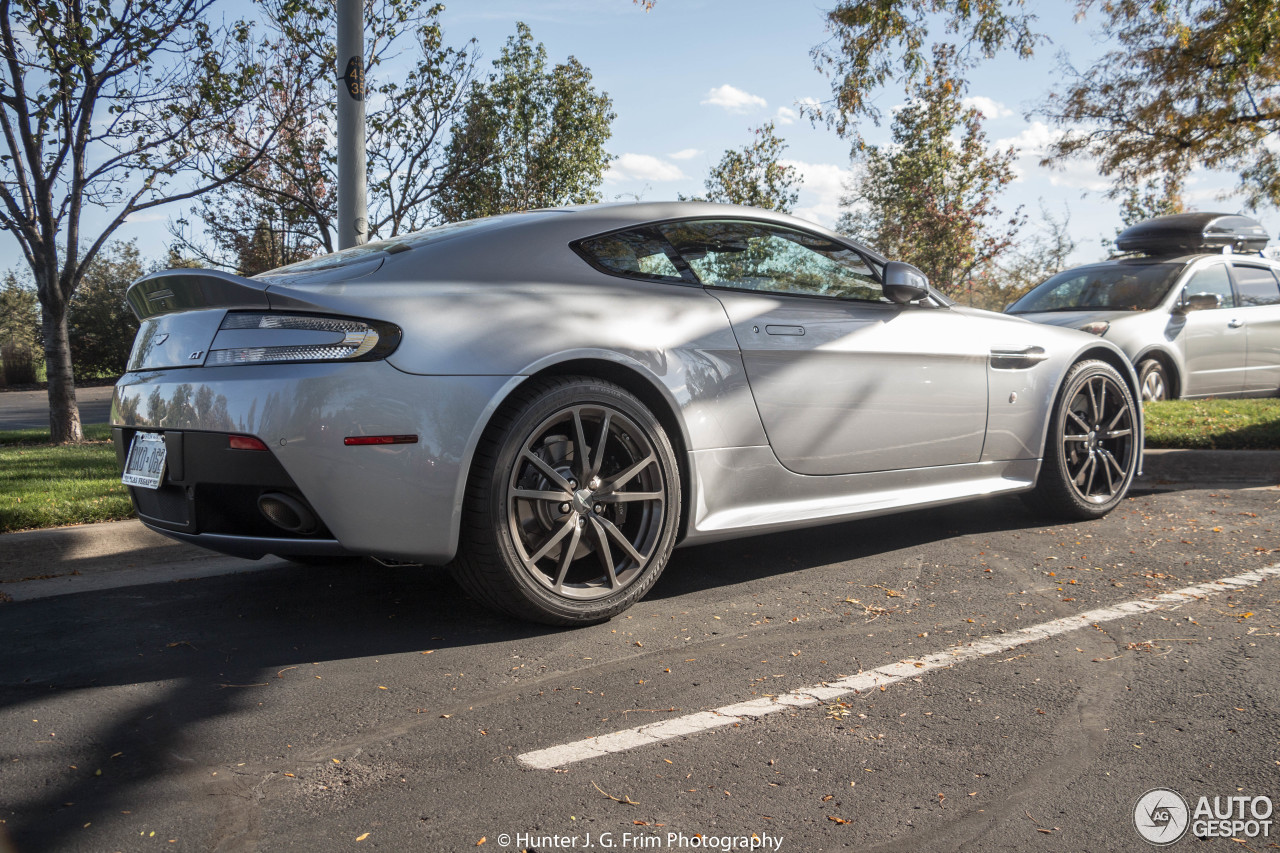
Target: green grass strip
<point>1214,424</point>
<point>45,485</point>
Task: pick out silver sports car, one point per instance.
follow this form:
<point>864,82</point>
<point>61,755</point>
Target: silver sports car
<point>550,401</point>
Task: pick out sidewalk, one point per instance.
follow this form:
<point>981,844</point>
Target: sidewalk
<point>123,545</point>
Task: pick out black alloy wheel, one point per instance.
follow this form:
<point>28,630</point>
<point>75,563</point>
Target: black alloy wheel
<point>573,504</point>
<point>1092,449</point>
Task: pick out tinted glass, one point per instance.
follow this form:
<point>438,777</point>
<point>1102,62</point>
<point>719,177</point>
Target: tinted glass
<point>1257,285</point>
<point>1212,280</point>
<point>755,256</point>
<point>636,254</point>
<point>1104,287</point>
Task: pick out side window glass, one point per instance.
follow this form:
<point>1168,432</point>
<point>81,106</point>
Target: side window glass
<point>634,254</point>
<point>756,256</point>
<point>1257,285</point>
<point>1212,280</point>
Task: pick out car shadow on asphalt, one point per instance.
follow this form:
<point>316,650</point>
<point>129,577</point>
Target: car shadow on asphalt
<point>701,567</point>
<point>196,649</point>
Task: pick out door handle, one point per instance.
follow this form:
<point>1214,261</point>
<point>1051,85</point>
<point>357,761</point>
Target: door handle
<point>1235,324</point>
<point>784,330</point>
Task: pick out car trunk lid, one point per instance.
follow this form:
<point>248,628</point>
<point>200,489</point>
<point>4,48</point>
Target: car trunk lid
<point>180,312</point>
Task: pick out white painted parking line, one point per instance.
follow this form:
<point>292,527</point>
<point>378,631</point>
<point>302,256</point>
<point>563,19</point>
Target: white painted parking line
<point>690,724</point>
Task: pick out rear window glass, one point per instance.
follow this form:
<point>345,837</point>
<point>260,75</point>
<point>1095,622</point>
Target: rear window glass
<point>403,243</point>
<point>1104,287</point>
<point>639,253</point>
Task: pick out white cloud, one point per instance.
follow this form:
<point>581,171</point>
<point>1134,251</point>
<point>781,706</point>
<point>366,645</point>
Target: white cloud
<point>786,115</point>
<point>1033,143</point>
<point>988,107</point>
<point>1035,139</point>
<point>643,167</point>
<point>820,193</point>
<point>734,100</point>
<point>685,154</point>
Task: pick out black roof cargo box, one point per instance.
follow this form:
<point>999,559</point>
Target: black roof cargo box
<point>1193,232</point>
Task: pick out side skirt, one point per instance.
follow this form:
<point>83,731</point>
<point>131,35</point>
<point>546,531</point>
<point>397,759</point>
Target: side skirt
<point>743,490</point>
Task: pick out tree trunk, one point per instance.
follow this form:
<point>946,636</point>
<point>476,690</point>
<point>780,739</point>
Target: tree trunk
<point>64,413</point>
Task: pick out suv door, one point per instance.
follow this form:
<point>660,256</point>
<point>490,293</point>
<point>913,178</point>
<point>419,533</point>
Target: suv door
<point>1214,339</point>
<point>845,380</point>
<point>1260,311</point>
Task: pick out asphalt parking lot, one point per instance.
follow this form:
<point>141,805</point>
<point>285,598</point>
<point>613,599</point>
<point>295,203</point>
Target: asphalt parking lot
<point>339,708</point>
<point>30,409</point>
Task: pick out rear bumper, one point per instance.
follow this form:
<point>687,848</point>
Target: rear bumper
<point>398,501</point>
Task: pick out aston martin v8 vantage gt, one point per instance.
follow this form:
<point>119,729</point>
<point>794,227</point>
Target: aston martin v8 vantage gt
<point>548,402</point>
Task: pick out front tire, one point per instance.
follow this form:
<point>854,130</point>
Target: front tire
<point>1153,379</point>
<point>572,506</point>
<point>1091,451</point>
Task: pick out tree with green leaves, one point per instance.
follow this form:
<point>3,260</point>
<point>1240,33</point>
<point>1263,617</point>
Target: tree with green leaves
<point>19,330</point>
<point>929,198</point>
<point>282,208</point>
<point>530,136</point>
<point>119,105</point>
<point>754,174</point>
<point>101,325</point>
<point>1037,256</point>
<point>19,314</point>
<point>1191,83</point>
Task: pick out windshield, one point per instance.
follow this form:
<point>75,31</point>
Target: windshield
<point>1102,287</point>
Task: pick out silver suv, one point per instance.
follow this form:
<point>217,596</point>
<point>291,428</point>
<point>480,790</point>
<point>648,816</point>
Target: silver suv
<point>1194,324</point>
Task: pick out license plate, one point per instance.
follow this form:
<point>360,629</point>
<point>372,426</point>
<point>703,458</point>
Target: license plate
<point>144,466</point>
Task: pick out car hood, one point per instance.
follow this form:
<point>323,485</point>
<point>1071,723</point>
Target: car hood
<point>1076,319</point>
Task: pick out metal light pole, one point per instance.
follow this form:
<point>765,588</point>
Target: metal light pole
<point>353,226</point>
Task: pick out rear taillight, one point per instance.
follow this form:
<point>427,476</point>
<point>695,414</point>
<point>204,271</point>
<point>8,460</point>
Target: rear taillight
<point>258,338</point>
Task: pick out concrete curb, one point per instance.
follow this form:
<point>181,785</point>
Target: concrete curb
<point>1256,467</point>
<point>117,545</point>
<point>88,548</point>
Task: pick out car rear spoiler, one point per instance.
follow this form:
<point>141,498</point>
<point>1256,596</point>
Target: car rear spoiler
<point>190,289</point>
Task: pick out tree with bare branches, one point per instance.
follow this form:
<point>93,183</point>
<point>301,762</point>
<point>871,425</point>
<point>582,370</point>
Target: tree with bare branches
<point>119,106</point>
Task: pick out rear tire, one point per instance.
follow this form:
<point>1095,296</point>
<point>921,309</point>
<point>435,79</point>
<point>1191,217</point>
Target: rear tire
<point>1091,451</point>
<point>1153,379</point>
<point>572,504</point>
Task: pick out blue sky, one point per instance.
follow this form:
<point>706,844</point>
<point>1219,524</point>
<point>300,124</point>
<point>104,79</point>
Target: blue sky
<point>690,78</point>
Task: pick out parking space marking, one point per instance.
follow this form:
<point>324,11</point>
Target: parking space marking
<point>742,712</point>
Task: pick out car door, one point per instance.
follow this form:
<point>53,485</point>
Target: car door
<point>844,380</point>
<point>1214,342</point>
<point>1259,310</point>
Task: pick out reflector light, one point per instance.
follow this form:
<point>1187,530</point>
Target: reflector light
<point>357,440</point>
<point>244,442</point>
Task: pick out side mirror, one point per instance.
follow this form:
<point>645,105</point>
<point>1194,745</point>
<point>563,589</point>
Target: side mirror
<point>1199,302</point>
<point>904,283</point>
